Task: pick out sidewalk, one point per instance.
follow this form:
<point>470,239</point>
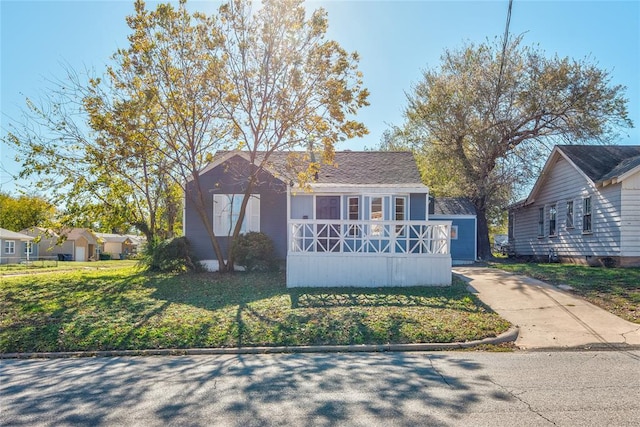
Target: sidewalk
<point>547,316</point>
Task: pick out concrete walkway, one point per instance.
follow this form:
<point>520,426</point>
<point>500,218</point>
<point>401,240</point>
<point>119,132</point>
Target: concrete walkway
<point>547,316</point>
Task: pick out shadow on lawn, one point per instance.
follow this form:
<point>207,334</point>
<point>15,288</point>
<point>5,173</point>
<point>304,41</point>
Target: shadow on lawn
<point>213,291</point>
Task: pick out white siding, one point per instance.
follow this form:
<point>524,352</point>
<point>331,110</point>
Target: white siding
<point>565,183</point>
<point>630,239</point>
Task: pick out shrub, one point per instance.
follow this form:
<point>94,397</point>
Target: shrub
<point>255,252</point>
<point>104,256</point>
<point>173,255</point>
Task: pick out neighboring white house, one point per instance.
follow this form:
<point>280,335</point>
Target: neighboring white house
<point>584,207</point>
<point>14,247</point>
<point>362,222</point>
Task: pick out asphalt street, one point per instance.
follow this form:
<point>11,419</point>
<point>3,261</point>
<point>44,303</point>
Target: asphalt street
<point>361,389</point>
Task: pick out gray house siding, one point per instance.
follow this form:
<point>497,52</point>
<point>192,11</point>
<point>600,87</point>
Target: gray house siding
<point>630,216</point>
<point>231,178</point>
<point>564,183</point>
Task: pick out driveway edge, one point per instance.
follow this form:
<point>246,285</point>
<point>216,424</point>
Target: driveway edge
<point>509,336</point>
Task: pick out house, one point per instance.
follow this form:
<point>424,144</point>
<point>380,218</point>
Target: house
<point>362,222</point>
<point>15,247</point>
<point>47,244</point>
<point>118,246</point>
<point>77,244</point>
<point>464,226</point>
<point>584,208</point>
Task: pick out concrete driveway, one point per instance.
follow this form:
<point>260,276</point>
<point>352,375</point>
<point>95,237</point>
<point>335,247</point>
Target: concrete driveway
<point>548,317</point>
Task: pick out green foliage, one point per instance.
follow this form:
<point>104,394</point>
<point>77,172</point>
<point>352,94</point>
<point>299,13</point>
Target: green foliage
<point>172,255</point>
<point>254,251</point>
<point>19,213</point>
<point>482,122</point>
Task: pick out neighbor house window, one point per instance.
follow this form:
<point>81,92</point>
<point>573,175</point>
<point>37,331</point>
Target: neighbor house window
<point>354,215</point>
<point>569,222</point>
<point>454,232</point>
<point>27,248</point>
<point>540,222</point>
<point>376,214</point>
<point>552,220</point>
<point>9,247</point>
<point>400,214</point>
<point>586,215</point>
<point>226,212</point>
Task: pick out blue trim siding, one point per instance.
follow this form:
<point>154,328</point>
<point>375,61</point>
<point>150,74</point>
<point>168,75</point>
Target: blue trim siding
<point>231,178</point>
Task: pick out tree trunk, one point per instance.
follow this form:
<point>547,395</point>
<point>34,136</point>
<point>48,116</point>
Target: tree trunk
<point>484,246</point>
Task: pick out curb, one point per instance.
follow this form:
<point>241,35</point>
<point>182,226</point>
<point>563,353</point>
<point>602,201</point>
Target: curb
<point>508,336</point>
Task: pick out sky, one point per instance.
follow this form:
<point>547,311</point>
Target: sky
<point>396,40</point>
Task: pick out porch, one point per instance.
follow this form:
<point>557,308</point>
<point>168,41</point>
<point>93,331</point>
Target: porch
<point>368,253</point>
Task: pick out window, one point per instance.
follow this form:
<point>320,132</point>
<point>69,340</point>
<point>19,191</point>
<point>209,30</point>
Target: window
<point>226,211</point>
<point>540,222</point>
<point>511,226</point>
<point>376,214</point>
<point>27,248</point>
<point>552,220</point>
<point>569,221</point>
<point>400,214</point>
<point>354,215</point>
<point>586,215</point>
<point>454,232</point>
<point>9,247</point>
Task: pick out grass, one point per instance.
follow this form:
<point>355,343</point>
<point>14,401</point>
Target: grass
<point>124,308</point>
<point>52,265</point>
<point>617,290</point>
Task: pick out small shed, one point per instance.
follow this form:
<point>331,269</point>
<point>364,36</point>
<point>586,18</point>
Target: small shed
<point>464,226</point>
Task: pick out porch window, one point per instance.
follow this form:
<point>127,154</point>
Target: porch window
<point>354,214</point>
<point>9,247</point>
<point>226,212</point>
<point>454,232</point>
<point>569,221</point>
<point>376,214</point>
<point>586,215</point>
<point>400,214</point>
<point>540,222</point>
<point>552,220</point>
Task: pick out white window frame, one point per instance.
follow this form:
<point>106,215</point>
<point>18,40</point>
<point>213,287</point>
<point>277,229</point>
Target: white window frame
<point>553,219</point>
<point>28,249</point>
<point>400,229</point>
<point>223,215</point>
<point>354,229</point>
<point>454,232</point>
<point>376,230</point>
<point>9,247</point>
<point>586,214</point>
<point>569,215</point>
<point>540,222</point>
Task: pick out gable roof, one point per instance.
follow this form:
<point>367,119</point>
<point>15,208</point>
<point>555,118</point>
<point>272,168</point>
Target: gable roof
<point>453,206</point>
<point>349,168</point>
<point>600,164</point>
<point>12,235</point>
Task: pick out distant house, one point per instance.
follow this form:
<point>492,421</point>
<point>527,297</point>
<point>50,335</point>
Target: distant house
<point>14,247</point>
<point>464,226</point>
<point>117,245</point>
<point>363,222</point>
<point>47,244</point>
<point>584,207</point>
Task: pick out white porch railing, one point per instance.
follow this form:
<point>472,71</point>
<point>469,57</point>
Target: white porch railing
<point>370,237</point>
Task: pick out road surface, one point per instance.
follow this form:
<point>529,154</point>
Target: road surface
<point>359,389</point>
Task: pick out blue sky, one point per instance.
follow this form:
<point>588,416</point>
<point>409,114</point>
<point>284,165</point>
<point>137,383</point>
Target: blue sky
<point>396,40</point>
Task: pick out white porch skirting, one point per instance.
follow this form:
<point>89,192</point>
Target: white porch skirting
<point>359,270</point>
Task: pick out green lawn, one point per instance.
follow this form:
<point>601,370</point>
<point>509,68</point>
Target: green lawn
<point>127,309</point>
<point>614,289</point>
<point>54,265</point>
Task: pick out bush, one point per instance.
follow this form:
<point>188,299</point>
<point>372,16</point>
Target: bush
<point>104,257</point>
<point>255,252</point>
<point>173,255</point>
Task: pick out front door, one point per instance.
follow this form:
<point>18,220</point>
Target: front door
<point>327,207</point>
